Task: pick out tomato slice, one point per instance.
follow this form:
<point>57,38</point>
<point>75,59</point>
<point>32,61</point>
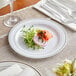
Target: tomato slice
<point>45,35</point>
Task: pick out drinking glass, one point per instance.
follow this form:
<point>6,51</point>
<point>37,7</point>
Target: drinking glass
<point>11,20</point>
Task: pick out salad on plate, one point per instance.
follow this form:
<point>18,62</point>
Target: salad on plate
<point>68,68</point>
<point>36,38</point>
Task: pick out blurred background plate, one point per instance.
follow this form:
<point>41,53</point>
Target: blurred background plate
<point>6,64</point>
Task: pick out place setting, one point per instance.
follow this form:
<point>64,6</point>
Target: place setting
<point>35,38</point>
<point>40,38</point>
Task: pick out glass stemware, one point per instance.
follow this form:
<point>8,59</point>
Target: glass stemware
<point>11,20</point>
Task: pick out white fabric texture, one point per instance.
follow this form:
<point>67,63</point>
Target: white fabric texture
<point>11,71</point>
<point>63,11</point>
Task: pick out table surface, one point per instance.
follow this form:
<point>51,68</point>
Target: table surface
<point>7,54</point>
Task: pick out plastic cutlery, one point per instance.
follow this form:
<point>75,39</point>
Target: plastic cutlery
<point>62,6</point>
<point>53,12</point>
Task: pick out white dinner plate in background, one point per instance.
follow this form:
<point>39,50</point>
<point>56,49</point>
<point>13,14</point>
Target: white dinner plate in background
<point>5,64</point>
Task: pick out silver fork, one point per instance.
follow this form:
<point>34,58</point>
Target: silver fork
<point>52,12</point>
<point>60,6</point>
<point>65,17</point>
<point>63,8</point>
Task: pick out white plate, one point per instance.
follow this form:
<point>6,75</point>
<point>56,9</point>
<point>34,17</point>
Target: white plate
<point>6,64</point>
<point>54,46</point>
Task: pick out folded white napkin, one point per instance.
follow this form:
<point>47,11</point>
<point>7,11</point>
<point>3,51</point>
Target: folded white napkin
<point>11,71</point>
<point>63,11</point>
<point>27,72</point>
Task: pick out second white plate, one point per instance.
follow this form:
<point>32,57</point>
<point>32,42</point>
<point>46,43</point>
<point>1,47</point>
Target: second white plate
<point>5,64</point>
<point>54,46</point>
